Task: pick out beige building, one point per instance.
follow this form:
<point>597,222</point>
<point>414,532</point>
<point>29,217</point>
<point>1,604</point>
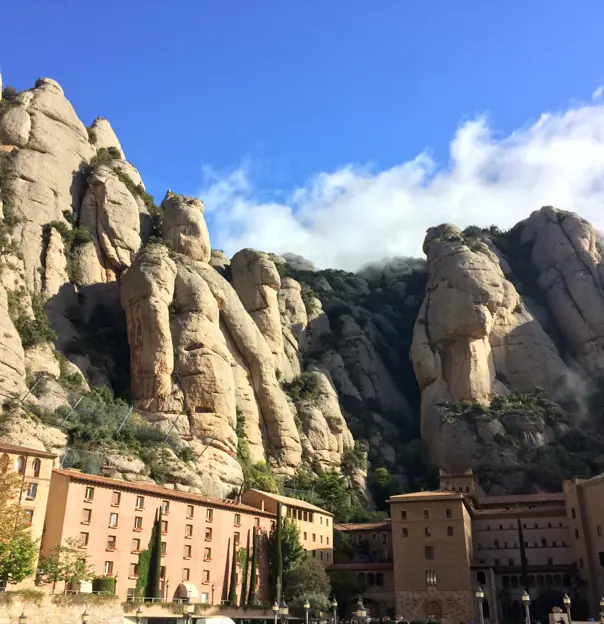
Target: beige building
<point>315,524</point>
<point>35,470</point>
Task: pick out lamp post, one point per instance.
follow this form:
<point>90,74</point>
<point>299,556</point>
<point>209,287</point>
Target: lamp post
<point>334,608</point>
<point>276,611</point>
<point>213,588</point>
<point>306,611</point>
<point>189,610</point>
<point>115,582</point>
<point>480,600</point>
<point>526,601</point>
<point>283,611</point>
<point>85,616</point>
<point>566,601</point>
<point>23,618</point>
<point>139,616</point>
<point>361,611</point>
<point>602,610</point>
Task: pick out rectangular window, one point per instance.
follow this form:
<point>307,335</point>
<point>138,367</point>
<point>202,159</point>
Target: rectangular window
<point>205,576</point>
<point>384,538</point>
<point>113,520</point>
<point>305,518</point>
<point>108,569</point>
<point>577,533</point>
<point>164,526</point>
<point>133,571</point>
<point>84,539</point>
<point>496,562</point>
<point>187,554</point>
<point>311,516</point>
<point>305,535</point>
<point>327,521</point>
<point>405,532</point>
<point>314,537</point>
<point>599,530</point>
<point>321,539</point>
<point>138,523</point>
<point>327,556</point>
<point>86,515</point>
<point>204,598</point>
<point>186,574</point>
<point>449,531</point>
<point>321,555</point>
<point>140,502</point>
<point>510,562</point>
<point>427,532</point>
<point>165,507</point>
<point>115,499</point>
<point>403,515</point>
<point>32,490</point>
<point>236,538</point>
<point>162,572</point>
<point>426,514</point>
<point>190,511</point>
<point>449,514</point>
<point>208,534</point>
<point>573,512</point>
<point>429,552</point>
<point>209,516</point>
<point>130,594</point>
<point>327,538</point>
<point>384,554</point>
<point>257,522</point>
<point>188,530</point>
<point>163,548</point>
<point>374,536</point>
<point>111,541</point>
<point>320,519</point>
<point>237,519</point>
<point>89,496</point>
<point>207,554</point>
<point>314,554</point>
<point>136,545</point>
<point>550,561</point>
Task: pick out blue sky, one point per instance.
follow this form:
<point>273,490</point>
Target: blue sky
<point>294,105</point>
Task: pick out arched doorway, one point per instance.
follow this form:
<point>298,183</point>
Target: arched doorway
<point>434,611</point>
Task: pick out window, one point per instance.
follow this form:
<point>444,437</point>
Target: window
<point>163,548</point>
<point>115,499</point>
<point>599,530</point>
<point>32,490</point>
<point>162,572</point>
<point>205,576</point>
<point>321,555</point>
<point>601,557</point>
<point>208,534</point>
<point>429,552</point>
<point>581,562</point>
<point>257,522</point>
<point>204,598</point>
<point>305,516</point>
<point>311,516</point>
<point>165,507</point>
<point>164,526</point>
<point>384,538</point>
<point>577,533</point>
<point>314,537</point>
<point>384,554</point>
<point>321,539</point>
<point>133,571</point>
<point>314,554</point>
<point>405,532</point>
<point>111,541</point>
<point>403,515</point>
<point>496,562</point>
<point>573,513</point>
<point>21,465</point>
<point>84,539</point>
<point>207,554</point>
<point>510,562</point>
<point>427,532</point>
<point>326,556</point>
<point>131,593</point>
<point>209,516</point>
<point>138,523</point>
<point>188,530</point>
<point>374,536</point>
<point>86,515</point>
<point>186,574</point>
<point>187,553</point>
<point>36,467</point>
<point>327,521</point>
<point>190,511</point>
<point>113,519</point>
<point>448,513</point>
<point>550,561</point>
<point>327,538</point>
<point>136,545</point>
<point>140,502</point>
<point>237,519</point>
<point>305,535</point>
<point>236,538</point>
<point>543,542</point>
<point>450,531</point>
<point>89,494</point>
<point>320,519</point>
<point>426,514</point>
<point>108,567</point>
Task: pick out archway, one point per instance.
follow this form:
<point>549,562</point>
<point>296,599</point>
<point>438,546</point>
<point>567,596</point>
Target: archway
<point>434,611</point>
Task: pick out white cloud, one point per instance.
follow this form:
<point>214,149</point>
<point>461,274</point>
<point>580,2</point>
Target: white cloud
<point>345,218</point>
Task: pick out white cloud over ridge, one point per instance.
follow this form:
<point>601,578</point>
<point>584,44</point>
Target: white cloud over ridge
<point>354,215</point>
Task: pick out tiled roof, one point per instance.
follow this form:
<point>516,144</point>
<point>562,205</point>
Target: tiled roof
<point>151,488</point>
<point>363,526</point>
<point>426,496</point>
<point>292,502</point>
<point>522,498</point>
<point>23,450</point>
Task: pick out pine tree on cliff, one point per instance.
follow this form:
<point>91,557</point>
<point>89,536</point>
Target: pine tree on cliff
<point>154,574</point>
<point>251,599</point>
<point>233,584</point>
<point>245,571</point>
<point>279,536</point>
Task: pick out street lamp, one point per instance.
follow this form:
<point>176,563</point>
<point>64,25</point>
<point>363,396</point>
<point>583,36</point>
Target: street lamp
<point>306,610</point>
<point>283,611</point>
<point>213,588</point>
<point>526,601</point>
<point>361,611</point>
<point>189,610</point>
<point>276,611</point>
<point>602,610</point>
<point>334,607</point>
<point>480,600</point>
<point>566,601</point>
<point>23,618</point>
<point>139,615</point>
<point>85,616</point>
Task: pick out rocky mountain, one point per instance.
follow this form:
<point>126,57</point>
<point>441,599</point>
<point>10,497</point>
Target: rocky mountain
<point>132,348</point>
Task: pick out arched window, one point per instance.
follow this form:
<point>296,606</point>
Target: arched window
<point>531,580</point>
<point>370,578</point>
<point>379,578</point>
<point>21,465</point>
<point>361,577</point>
<point>540,580</point>
<point>514,582</point>
<point>558,580</point>
<point>36,467</point>
<point>549,580</point>
<point>543,542</point>
<point>467,489</point>
<point>482,579</point>
<point>506,581</point>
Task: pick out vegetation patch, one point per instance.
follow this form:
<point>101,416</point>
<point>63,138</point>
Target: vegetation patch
<point>303,389</point>
<point>73,238</point>
<point>31,331</point>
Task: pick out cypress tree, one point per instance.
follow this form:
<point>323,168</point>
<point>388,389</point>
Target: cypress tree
<point>154,574</point>
<point>279,549</point>
<point>252,591</point>
<point>245,571</point>
<point>233,586</point>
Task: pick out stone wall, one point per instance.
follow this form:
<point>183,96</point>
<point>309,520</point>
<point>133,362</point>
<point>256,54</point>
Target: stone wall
<point>59,608</point>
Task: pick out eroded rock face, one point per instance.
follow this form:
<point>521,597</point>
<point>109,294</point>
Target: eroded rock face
<point>12,357</point>
<point>185,227</point>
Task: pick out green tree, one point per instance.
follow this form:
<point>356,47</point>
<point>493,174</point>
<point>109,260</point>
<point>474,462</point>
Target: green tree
<point>385,487</point>
<point>253,574</point>
<point>245,555</point>
<point>332,489</point>
<point>292,552</point>
<point>67,563</point>
<point>233,582</point>
<point>279,552</point>
<point>306,579</point>
<point>154,570</point>
<point>345,586</point>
